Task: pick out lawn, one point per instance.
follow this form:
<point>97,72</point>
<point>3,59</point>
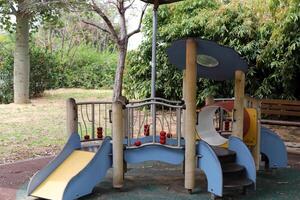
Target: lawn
<point>39,128</point>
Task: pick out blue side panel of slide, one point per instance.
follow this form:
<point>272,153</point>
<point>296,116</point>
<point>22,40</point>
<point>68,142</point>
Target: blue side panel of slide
<point>243,157</point>
<point>272,146</point>
<point>84,182</point>
<point>72,144</point>
<point>209,163</point>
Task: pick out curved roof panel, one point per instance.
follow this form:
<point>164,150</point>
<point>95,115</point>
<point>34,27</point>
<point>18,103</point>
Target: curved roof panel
<point>214,61</point>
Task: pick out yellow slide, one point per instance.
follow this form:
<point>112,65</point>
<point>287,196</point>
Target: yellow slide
<point>54,185</point>
<point>73,173</point>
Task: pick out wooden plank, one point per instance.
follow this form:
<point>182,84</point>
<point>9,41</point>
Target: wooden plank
<point>280,112</point>
<point>279,122</point>
<point>280,107</point>
<point>280,101</point>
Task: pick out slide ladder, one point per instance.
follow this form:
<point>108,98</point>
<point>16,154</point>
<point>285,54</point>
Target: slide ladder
<point>227,169</point>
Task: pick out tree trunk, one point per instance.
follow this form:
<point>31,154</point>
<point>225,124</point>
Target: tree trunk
<point>122,47</point>
<point>21,60</point>
<point>119,72</point>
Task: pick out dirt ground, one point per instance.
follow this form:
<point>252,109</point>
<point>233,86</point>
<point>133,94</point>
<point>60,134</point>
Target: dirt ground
<point>38,129</point>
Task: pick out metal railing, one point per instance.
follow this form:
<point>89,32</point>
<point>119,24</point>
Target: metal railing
<point>140,120</point>
<point>94,119</point>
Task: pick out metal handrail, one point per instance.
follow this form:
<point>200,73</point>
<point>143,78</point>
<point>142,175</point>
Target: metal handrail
<point>157,99</point>
<point>93,102</point>
<point>153,103</point>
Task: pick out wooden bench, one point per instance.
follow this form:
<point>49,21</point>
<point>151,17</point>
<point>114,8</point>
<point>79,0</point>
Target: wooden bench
<point>276,107</point>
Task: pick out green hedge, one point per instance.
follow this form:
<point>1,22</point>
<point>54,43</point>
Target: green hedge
<point>40,62</point>
<point>85,68</point>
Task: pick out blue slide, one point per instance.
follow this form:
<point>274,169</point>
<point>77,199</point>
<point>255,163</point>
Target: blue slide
<point>272,146</point>
<point>73,173</point>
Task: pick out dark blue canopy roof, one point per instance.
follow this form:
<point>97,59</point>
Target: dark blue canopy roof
<point>214,61</point>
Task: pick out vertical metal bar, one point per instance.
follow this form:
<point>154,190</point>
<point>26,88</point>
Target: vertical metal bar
<point>105,120</point>
<point>99,114</point>
<point>93,121</point>
<point>139,122</point>
<point>178,122</point>
<point>153,121</point>
<point>221,119</point>
<point>126,122</point>
<point>132,122</point>
<point>128,126</point>
<point>153,72</point>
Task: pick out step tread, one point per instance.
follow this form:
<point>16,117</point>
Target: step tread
<point>220,151</point>
<point>225,155</point>
<point>232,168</point>
<point>237,183</point>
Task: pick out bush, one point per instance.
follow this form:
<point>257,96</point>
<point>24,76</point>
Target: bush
<point>84,68</point>
<point>269,43</point>
<point>41,64</point>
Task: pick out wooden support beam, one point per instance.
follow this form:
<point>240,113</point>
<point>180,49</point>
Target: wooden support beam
<point>209,100</point>
<point>183,95</point>
<point>118,133</point>
<point>72,117</point>
<point>238,112</point>
<point>190,114</point>
<point>256,150</point>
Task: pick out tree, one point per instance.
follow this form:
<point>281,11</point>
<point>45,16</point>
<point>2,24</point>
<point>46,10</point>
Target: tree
<point>268,37</point>
<point>26,13</point>
<point>120,37</point>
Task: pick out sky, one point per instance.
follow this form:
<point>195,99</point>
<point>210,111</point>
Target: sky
<point>133,18</point>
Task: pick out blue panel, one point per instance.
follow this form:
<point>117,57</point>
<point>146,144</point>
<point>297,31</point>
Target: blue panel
<point>72,144</point>
<point>84,182</point>
<point>210,164</point>
<point>273,147</point>
<point>149,139</point>
<point>243,157</point>
<point>154,153</point>
<point>228,59</point>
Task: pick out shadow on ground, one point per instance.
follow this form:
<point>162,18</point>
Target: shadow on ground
<point>154,180</point>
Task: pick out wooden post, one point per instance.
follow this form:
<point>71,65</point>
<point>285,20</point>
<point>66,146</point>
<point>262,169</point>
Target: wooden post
<point>209,100</point>
<point>256,151</point>
<point>238,112</point>
<point>190,114</point>
<point>183,111</point>
<point>72,117</point>
<point>118,133</point>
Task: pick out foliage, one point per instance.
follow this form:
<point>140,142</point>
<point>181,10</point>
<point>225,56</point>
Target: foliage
<point>41,64</point>
<point>83,67</point>
<point>267,37</point>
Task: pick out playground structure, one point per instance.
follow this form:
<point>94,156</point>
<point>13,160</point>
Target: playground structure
<point>157,129</point>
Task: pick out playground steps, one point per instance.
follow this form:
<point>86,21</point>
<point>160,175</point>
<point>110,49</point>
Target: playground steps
<point>234,175</point>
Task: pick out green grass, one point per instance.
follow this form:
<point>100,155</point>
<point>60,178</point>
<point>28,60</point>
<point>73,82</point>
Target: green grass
<point>39,128</point>
<point>77,94</point>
